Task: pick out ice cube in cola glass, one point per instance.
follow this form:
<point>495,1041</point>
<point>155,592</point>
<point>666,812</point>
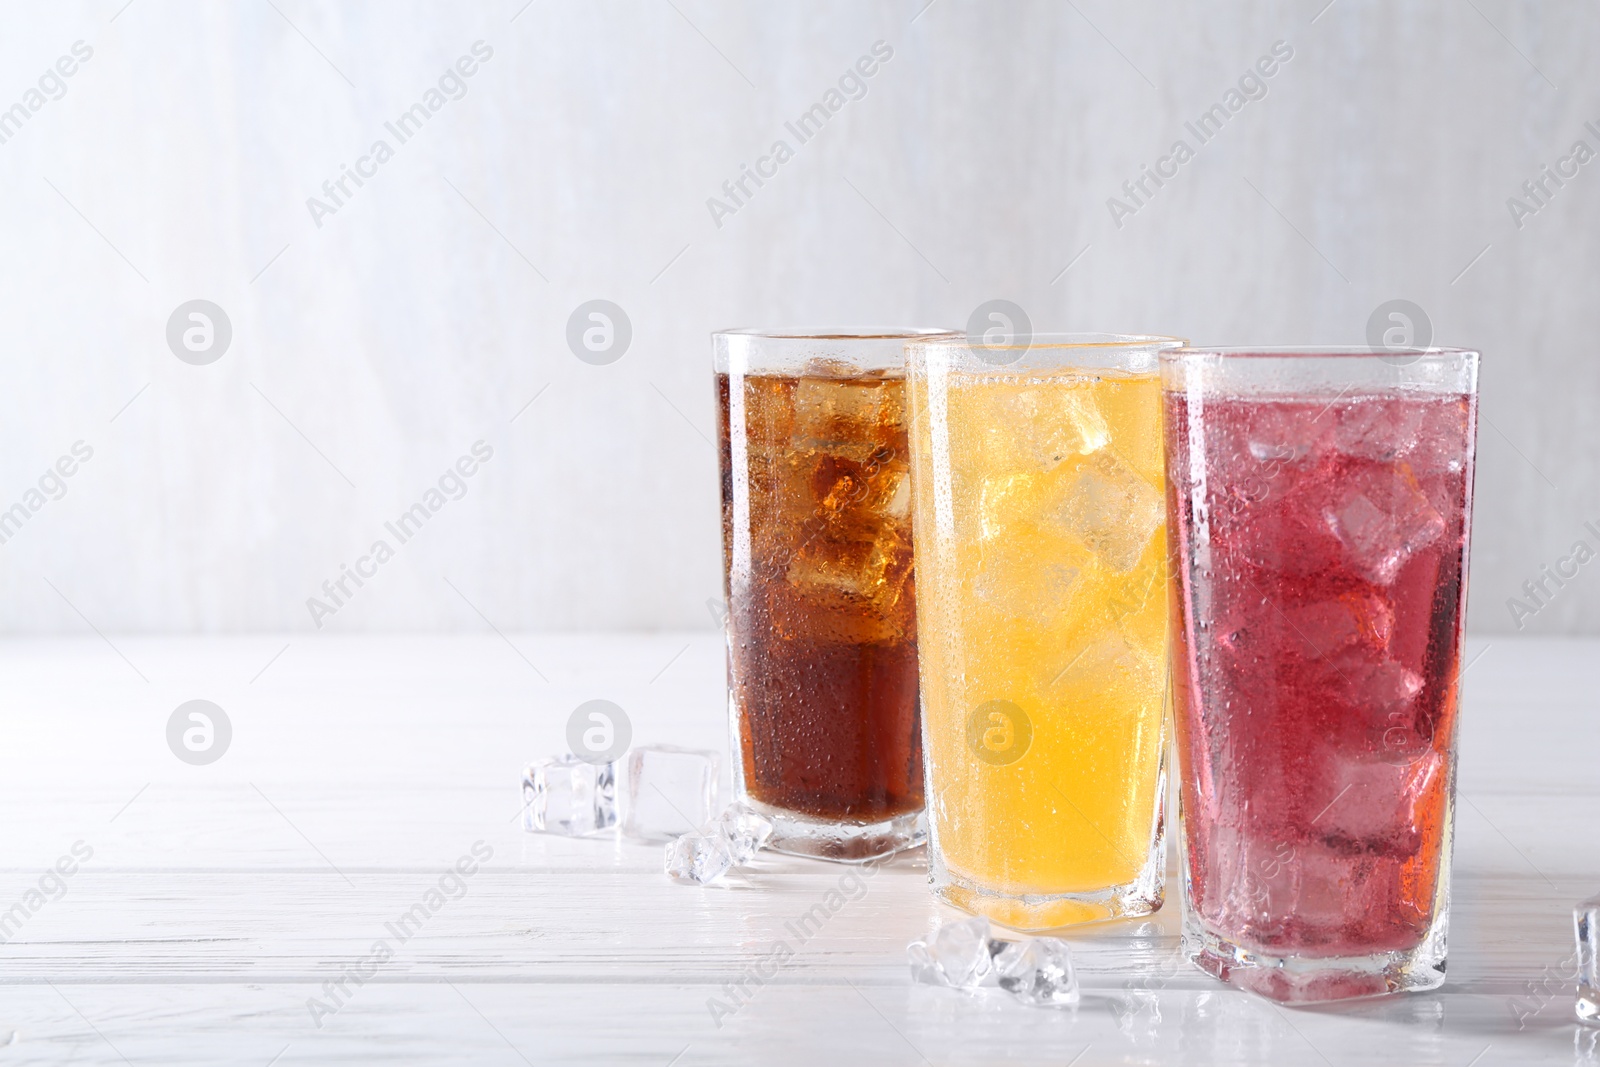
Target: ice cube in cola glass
<point>1319,513</point>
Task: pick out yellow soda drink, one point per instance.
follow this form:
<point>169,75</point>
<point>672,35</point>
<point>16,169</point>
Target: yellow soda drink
<point>1041,556</point>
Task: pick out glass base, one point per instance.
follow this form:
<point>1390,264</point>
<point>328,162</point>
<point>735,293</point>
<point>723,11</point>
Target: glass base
<point>1032,912</point>
<point>1309,979</point>
<point>841,842</point>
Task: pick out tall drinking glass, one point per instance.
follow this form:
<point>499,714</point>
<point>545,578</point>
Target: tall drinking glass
<point>1041,606</point>
<point>822,634</point>
<point>1319,507</point>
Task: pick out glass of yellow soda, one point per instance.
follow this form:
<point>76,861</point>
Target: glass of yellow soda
<point>1041,560</point>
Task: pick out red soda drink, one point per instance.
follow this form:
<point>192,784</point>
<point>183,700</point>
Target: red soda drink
<point>1321,545</point>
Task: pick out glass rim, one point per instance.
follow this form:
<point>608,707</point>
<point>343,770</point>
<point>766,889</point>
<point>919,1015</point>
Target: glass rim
<point>836,333</point>
<point>1068,341</point>
<point>1309,352</point>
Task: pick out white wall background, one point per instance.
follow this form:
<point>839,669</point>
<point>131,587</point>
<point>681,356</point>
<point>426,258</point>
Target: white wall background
<point>427,312</point>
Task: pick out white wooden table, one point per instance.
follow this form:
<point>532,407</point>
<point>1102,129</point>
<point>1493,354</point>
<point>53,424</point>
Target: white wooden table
<point>219,899</point>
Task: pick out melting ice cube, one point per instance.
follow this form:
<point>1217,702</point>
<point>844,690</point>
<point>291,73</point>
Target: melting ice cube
<point>670,791</point>
<point>840,568</point>
<point>1308,630</point>
<point>1104,662</point>
<point>1004,501</point>
<point>703,856</point>
<point>745,831</point>
<point>1381,518</point>
<point>1376,431</point>
<point>843,418</point>
<point>893,496</point>
<point>957,954</point>
<point>1046,422</point>
<point>1110,509</point>
<point>1442,440</point>
<point>1019,585</point>
<point>568,796</point>
<point>1038,971</point>
<point>1375,804</point>
<point>698,858</point>
<point>1280,434</point>
<point>1330,626</point>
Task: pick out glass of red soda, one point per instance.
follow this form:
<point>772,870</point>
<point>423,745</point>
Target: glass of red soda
<point>1320,505</point>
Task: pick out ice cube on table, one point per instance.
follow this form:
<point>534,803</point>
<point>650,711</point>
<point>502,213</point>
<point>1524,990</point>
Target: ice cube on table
<point>1038,971</point>
<point>1110,509</point>
<point>1381,518</point>
<point>569,796</point>
<point>703,856</point>
<point>746,832</point>
<point>671,791</point>
<point>698,858</point>
<point>957,955</point>
<point>1586,923</point>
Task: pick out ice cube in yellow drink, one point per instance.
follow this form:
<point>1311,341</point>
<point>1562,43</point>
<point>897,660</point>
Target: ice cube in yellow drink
<point>1042,612</point>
